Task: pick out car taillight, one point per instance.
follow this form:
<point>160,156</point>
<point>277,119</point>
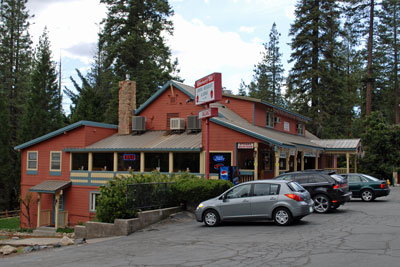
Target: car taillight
<point>383,185</point>
<point>294,197</point>
<point>337,186</point>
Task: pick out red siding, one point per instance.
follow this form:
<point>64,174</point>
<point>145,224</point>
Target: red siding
<point>156,113</point>
<point>79,137</point>
<point>239,106</point>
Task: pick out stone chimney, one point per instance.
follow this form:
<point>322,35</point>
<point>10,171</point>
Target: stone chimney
<point>127,105</point>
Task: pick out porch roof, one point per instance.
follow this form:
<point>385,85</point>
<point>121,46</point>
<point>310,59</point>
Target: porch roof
<point>50,186</point>
<point>148,141</point>
<point>340,144</point>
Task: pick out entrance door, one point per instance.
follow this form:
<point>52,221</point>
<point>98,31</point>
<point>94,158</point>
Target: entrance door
<point>60,207</point>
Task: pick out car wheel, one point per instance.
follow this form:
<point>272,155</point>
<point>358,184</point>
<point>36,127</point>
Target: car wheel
<point>367,195</point>
<point>282,217</point>
<point>322,203</point>
<point>211,218</point>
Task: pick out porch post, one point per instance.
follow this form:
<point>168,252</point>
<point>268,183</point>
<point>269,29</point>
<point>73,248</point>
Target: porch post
<point>355,163</point>
<point>38,209</point>
<point>255,161</point>
<point>295,161</point>
<point>202,163</point>
<point>287,160</point>
<point>302,161</point>
<point>277,154</point>
<point>115,169</point>
<point>171,162</point>
<point>90,162</point>
<point>347,162</point>
<point>141,161</point>
<point>56,209</point>
<point>316,160</point>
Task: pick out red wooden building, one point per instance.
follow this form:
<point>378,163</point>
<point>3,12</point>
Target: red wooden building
<point>65,168</point>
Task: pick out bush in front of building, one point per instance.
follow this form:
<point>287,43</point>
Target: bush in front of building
<point>190,191</point>
<point>186,189</point>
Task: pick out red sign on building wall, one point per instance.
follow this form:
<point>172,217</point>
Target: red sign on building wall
<point>208,89</point>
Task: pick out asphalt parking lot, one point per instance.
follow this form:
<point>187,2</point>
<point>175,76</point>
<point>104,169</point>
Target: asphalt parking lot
<point>357,234</point>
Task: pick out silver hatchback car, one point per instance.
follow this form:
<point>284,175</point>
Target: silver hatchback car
<point>281,201</point>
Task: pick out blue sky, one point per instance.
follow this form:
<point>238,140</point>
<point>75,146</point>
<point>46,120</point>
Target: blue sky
<point>224,36</point>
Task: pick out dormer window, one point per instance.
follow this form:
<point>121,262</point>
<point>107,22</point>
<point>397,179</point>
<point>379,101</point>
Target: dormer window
<point>270,119</point>
<point>300,128</point>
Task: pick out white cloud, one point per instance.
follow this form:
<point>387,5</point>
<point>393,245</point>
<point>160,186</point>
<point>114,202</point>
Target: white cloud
<point>203,49</point>
<point>70,24</point>
<point>246,29</point>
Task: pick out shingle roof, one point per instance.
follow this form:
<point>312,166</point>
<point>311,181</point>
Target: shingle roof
<point>50,186</point>
<point>148,141</point>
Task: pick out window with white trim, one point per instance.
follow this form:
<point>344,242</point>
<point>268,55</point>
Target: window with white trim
<point>300,128</point>
<point>32,160</point>
<point>270,119</point>
<point>55,161</point>
<point>93,201</point>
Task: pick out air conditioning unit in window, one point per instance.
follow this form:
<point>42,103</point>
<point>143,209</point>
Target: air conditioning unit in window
<point>177,124</point>
<point>138,124</point>
<point>193,123</point>
<point>277,119</point>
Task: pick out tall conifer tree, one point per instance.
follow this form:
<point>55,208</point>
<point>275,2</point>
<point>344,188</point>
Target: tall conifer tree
<point>14,82</point>
<point>133,43</point>
<point>44,100</point>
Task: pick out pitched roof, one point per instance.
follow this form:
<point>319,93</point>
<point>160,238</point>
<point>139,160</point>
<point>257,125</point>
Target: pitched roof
<point>190,91</point>
<point>148,141</point>
<point>230,119</point>
<point>50,186</point>
<point>338,144</point>
<point>65,129</point>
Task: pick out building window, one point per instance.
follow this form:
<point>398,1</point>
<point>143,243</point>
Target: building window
<point>80,161</point>
<point>32,160</point>
<point>169,117</point>
<point>129,161</point>
<point>94,196</point>
<point>286,126</point>
<point>187,162</point>
<point>55,161</point>
<point>103,161</point>
<point>218,159</point>
<point>270,119</point>
<point>156,161</point>
<point>300,128</point>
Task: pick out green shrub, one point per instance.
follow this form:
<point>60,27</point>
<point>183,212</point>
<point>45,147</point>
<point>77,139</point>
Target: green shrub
<point>192,191</point>
<point>65,230</point>
<point>187,189</point>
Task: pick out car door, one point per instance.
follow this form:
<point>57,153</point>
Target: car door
<point>355,184</point>
<point>236,202</point>
<point>263,200</point>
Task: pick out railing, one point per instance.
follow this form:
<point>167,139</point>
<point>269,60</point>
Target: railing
<point>45,216</point>
<point>340,170</point>
<point>11,213</point>
<point>63,219</point>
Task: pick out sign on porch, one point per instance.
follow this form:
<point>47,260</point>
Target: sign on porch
<point>245,145</point>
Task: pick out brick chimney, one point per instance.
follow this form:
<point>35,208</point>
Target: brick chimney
<point>127,104</point>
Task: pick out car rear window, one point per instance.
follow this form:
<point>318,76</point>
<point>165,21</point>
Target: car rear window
<point>296,187</point>
<point>337,178</point>
<point>372,178</point>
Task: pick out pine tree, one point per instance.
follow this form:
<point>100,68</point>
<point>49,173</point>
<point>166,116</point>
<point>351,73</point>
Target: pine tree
<point>315,76</point>
<point>133,43</point>
<point>268,73</point>
<point>44,99</point>
<point>14,83</point>
<point>242,89</point>
<point>387,49</point>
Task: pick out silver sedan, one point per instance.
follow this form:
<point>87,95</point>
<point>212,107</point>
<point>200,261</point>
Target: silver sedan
<point>277,200</point>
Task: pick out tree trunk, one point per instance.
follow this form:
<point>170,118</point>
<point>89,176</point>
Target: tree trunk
<point>369,66</point>
<point>396,79</point>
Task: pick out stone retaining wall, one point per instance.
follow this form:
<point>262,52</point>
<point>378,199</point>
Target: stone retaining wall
<point>123,226</point>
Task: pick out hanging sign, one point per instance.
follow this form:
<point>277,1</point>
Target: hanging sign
<point>208,89</point>
<point>245,145</point>
<point>208,113</point>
